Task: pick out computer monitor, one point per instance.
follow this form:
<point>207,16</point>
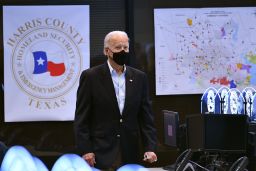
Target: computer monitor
<point>217,132</point>
<point>171,127</point>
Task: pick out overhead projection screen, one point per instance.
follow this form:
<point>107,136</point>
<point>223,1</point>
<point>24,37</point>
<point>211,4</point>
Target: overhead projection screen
<point>196,48</point>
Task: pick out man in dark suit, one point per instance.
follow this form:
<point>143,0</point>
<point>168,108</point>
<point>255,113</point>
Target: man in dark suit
<point>113,110</point>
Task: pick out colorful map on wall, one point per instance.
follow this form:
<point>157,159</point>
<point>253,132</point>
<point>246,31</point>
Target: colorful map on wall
<point>196,48</point>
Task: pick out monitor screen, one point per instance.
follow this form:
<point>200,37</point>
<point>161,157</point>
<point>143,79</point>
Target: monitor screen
<point>218,132</point>
<point>195,47</point>
<point>171,126</point>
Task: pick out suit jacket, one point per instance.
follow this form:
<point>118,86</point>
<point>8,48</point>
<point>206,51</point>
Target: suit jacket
<point>99,126</point>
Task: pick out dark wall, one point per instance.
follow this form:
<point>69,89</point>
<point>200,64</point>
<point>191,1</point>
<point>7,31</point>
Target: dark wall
<point>143,24</point>
<point>135,17</point>
<point>143,31</point>
<point>48,140</point>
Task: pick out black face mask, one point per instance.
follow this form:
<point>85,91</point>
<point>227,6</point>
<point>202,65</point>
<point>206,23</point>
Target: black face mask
<point>121,57</point>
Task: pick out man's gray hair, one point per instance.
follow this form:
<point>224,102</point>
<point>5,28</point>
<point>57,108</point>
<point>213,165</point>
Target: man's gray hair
<point>111,34</point>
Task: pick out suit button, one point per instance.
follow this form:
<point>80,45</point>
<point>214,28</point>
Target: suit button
<point>121,120</point>
<point>117,135</point>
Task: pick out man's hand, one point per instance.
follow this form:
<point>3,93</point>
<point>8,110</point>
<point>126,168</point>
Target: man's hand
<point>150,157</point>
<point>89,158</point>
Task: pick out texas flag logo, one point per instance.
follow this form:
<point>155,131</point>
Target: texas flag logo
<point>42,65</point>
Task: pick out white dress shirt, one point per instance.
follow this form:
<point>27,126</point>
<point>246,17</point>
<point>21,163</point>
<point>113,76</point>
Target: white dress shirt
<point>119,85</point>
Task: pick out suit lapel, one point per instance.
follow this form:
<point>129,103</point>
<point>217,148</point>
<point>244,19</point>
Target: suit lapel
<point>129,81</point>
<point>108,84</point>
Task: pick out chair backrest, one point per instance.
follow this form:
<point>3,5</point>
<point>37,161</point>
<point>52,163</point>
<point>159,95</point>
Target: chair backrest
<point>240,164</point>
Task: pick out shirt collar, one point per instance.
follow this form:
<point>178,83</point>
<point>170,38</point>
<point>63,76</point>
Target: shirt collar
<point>112,69</point>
